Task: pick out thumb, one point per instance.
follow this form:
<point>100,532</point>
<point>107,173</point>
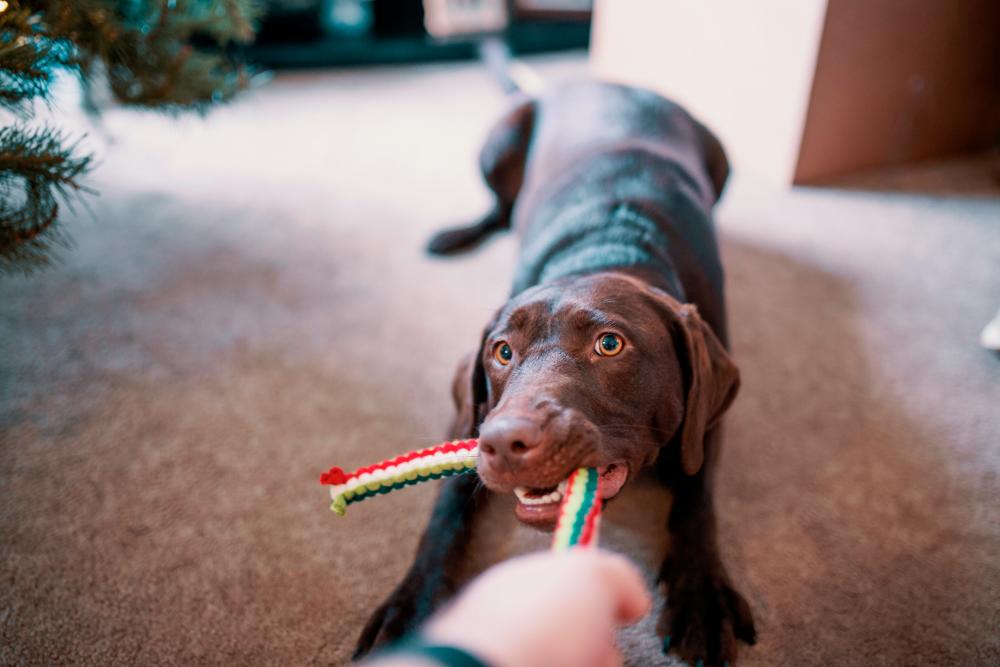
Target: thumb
<point>631,599</point>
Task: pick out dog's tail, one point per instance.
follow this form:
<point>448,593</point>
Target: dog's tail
<point>513,75</point>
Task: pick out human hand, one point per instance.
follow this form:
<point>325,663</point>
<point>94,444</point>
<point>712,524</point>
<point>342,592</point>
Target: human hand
<point>546,610</point>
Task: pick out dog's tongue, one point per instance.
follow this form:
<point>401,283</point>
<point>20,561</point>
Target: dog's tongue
<point>613,478</point>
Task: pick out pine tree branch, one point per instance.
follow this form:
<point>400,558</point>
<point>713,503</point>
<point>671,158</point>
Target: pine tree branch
<point>37,172</point>
<point>151,52</point>
<point>26,61</point>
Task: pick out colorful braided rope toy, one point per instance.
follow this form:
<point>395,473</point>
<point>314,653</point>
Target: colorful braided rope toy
<point>579,513</point>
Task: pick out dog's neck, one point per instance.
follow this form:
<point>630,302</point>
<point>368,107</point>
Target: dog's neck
<point>593,237</point>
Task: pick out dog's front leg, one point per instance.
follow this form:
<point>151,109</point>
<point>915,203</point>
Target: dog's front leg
<point>704,615</point>
<point>432,578</point>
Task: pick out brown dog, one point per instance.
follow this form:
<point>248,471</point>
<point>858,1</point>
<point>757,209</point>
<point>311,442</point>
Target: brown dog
<point>611,352</point>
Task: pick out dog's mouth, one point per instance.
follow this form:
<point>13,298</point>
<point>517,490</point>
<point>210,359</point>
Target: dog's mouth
<point>539,506</point>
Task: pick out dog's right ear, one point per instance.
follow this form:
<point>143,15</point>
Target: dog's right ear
<point>711,379</point>
<point>470,393</point>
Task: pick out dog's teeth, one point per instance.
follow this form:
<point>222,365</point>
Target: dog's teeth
<point>524,496</point>
<point>563,485</point>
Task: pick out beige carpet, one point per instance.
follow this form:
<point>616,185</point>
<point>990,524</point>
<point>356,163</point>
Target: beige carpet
<point>248,304</point>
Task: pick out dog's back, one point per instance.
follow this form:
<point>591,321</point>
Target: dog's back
<point>620,178</point>
<point>577,121</point>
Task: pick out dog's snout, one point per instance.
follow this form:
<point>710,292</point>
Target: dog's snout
<point>510,439</point>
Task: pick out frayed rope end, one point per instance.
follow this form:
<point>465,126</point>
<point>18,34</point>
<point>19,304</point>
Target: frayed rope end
<point>339,506</point>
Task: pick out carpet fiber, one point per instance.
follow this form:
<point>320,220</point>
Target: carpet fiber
<point>247,304</point>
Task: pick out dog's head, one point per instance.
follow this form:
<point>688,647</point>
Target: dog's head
<point>599,371</point>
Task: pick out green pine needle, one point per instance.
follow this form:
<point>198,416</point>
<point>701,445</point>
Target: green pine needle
<point>38,171</point>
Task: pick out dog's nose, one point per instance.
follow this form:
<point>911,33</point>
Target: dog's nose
<point>509,440</point>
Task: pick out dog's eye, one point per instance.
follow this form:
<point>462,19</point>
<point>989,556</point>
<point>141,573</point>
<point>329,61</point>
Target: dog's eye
<point>502,352</point>
<point>609,344</point>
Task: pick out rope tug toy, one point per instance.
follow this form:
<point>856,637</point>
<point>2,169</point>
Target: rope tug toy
<point>579,513</point>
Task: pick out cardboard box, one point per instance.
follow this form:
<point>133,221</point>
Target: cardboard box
<point>803,91</point>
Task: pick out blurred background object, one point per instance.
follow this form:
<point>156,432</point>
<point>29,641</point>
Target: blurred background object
<point>447,18</point>
<point>806,91</point>
<point>990,335</point>
<point>310,33</point>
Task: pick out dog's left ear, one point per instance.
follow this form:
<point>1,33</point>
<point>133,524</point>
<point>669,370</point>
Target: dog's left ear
<point>470,393</point>
<point>711,381</point>
<point>462,425</point>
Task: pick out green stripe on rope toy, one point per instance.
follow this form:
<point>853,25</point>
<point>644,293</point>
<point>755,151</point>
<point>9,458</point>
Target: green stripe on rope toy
<point>579,513</point>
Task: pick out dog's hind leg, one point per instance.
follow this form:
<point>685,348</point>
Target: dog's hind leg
<point>502,161</point>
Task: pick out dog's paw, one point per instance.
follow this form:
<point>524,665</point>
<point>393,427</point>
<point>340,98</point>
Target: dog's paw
<point>703,619</point>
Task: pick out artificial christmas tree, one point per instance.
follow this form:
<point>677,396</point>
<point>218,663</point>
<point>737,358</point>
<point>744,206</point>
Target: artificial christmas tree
<point>159,54</point>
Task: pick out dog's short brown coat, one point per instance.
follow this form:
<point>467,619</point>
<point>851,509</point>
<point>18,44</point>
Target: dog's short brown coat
<point>610,190</point>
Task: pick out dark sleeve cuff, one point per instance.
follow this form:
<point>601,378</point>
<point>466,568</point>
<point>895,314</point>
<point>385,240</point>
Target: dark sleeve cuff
<point>449,656</point>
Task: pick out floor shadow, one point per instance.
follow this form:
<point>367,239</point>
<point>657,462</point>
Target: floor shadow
<point>969,175</point>
<point>842,516</point>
